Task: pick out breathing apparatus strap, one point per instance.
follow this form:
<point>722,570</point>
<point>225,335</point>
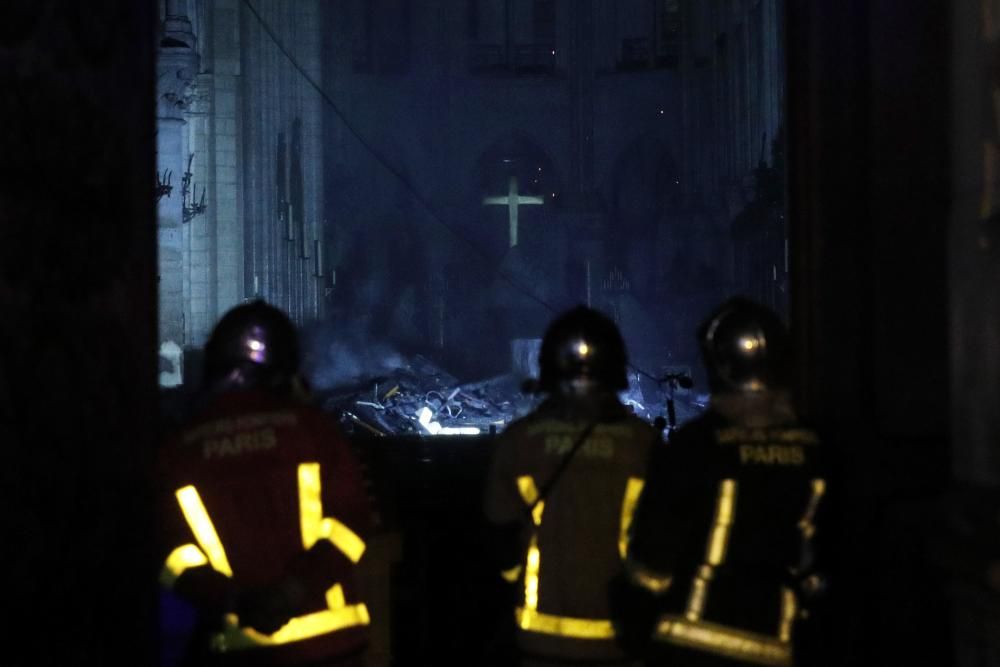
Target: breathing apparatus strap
<point>561,468</point>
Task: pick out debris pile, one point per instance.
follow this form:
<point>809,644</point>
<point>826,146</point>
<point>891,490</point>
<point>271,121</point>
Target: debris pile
<point>420,398</point>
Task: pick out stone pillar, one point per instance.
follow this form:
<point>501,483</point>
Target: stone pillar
<point>226,122</point>
<point>177,66</point>
<point>582,99</point>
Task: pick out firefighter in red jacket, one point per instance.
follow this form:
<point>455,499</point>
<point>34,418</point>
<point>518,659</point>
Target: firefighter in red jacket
<point>264,509</point>
<point>561,491</point>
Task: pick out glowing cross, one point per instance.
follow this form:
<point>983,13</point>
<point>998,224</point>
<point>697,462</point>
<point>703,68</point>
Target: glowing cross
<point>512,200</point>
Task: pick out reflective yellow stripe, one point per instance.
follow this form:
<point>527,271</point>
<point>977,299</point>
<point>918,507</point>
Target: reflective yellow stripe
<point>725,508</point>
<point>335,597</point>
<point>806,524</point>
<point>526,486</point>
<point>529,493</point>
<point>533,565</point>
<point>179,560</point>
<point>564,626</point>
<point>699,593</point>
<point>715,553</point>
<point>314,525</point>
<point>726,641</point>
<point>632,491</point>
<point>345,539</point>
<point>310,504</point>
<point>645,578</point>
<point>528,617</point>
<point>204,531</point>
<point>512,575</point>
<point>789,610</point>
<point>338,617</point>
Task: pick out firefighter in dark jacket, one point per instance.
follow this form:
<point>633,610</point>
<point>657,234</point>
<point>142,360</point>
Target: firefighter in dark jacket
<point>561,492</point>
<point>721,554</point>
<point>263,509</point>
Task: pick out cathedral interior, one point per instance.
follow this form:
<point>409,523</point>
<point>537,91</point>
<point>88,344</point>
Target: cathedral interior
<point>422,187</point>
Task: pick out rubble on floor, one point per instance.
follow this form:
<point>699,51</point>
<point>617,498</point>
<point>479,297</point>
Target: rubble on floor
<point>420,398</point>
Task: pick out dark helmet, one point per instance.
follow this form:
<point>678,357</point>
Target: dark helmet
<point>253,346</point>
<point>582,345</point>
<point>745,347</point>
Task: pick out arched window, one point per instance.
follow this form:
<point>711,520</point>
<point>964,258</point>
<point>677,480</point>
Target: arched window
<point>513,36</point>
<point>648,34</point>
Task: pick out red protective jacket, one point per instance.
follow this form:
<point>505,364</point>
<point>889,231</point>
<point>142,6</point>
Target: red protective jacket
<point>255,489</point>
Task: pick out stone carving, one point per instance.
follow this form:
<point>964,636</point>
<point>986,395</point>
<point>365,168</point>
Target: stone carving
<point>176,67</point>
<point>176,72</point>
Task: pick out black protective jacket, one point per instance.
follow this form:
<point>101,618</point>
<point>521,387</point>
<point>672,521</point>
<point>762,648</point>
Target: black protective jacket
<point>723,535</point>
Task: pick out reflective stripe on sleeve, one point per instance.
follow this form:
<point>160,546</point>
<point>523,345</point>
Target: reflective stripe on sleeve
<point>633,489</point>
<point>310,504</point>
<point>715,552</point>
<point>180,559</point>
<point>204,530</point>
<point>533,562</point>
<point>725,510</point>
<point>314,526</point>
<point>338,616</point>
<point>789,610</point>
<point>647,579</point>
<point>806,524</point>
<point>345,539</point>
<point>529,493</point>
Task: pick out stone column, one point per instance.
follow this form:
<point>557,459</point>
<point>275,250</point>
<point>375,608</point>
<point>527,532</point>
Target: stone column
<point>226,125</point>
<point>177,66</point>
<point>582,99</point>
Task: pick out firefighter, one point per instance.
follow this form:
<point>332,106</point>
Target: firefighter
<point>264,509</point>
<point>721,558</point>
<point>561,491</point>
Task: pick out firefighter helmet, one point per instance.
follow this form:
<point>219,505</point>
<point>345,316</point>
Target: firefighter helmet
<point>582,351</point>
<point>254,345</point>
<point>745,348</point>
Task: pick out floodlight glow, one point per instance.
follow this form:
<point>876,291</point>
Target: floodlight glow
<point>434,428</point>
<point>424,416</point>
<point>459,430</point>
<point>424,419</point>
